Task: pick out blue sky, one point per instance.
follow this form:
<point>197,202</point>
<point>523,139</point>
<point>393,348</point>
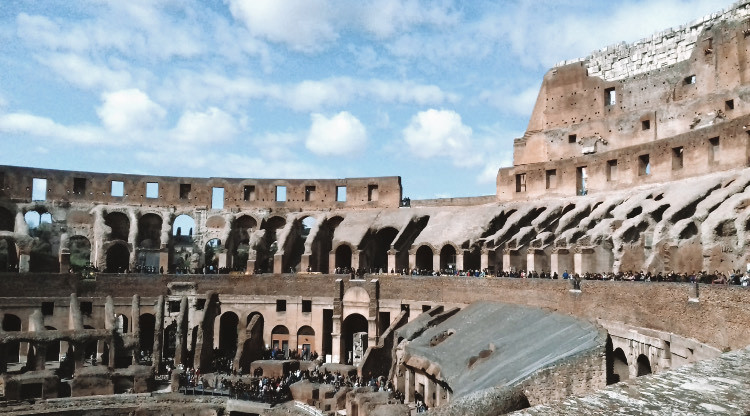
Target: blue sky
<point>432,91</point>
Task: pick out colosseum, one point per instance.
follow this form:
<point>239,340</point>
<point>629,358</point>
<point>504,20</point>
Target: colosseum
<point>607,275</point>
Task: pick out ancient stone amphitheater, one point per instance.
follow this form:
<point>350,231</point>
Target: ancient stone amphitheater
<point>632,179</point>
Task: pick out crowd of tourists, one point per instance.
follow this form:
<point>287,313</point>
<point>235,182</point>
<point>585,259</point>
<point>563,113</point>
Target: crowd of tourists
<point>733,277</point>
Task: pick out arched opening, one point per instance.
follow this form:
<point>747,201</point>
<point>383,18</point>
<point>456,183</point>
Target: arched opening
<point>169,343</point>
<point>354,333</point>
<point>211,255</point>
<point>148,243</point>
<point>80,252</point>
<point>8,255</point>
<point>375,248</point>
<point>44,251</point>
<point>12,323</point>
<point>90,346</point>
<point>423,260</point>
<point>268,245</point>
<point>146,328</point>
<point>228,330</point>
<point>7,220</point>
<point>305,342</point>
<point>644,365</point>
<point>448,258</point>
<point>121,323</point>
<point>322,244</point>
<point>181,244</point>
<point>620,370</point>
<point>296,243</point>
<point>343,257</point>
<point>238,242</point>
<point>254,345</point>
<point>118,258</point>
<point>473,259</point>
<point>53,347</point>
<point>280,341</point>
<point>119,225</point>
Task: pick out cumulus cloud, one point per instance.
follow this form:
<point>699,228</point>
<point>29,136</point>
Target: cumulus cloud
<point>434,133</point>
<point>84,73</point>
<point>29,124</point>
<point>342,134</point>
<point>129,110</point>
<point>213,125</point>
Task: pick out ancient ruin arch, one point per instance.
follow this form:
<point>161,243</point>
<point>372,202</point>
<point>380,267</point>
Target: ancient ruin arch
<point>448,257</point>
<point>354,333</point>
<point>38,220</point>
<point>121,323</point>
<point>44,255</point>
<point>8,255</point>
<point>149,231</point>
<point>322,244</point>
<point>343,256</point>
<point>254,345</point>
<point>80,252</point>
<point>643,365</point>
<point>620,365</point>
<point>238,241</point>
<point>375,246</point>
<point>211,255</point>
<point>473,258</point>
<point>118,258</point>
<point>268,245</point>
<point>280,339</point>
<point>146,328</point>
<point>296,242</point>
<point>305,341</point>
<point>7,220</point>
<point>12,323</point>
<point>423,258</point>
<point>169,343</point>
<point>181,246</point>
<point>228,334</point>
<point>119,225</point>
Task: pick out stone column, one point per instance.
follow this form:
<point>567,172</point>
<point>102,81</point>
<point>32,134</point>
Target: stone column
<point>408,385</point>
<point>460,259</point>
<point>583,260</point>
<point>181,333</point>
<point>278,264</point>
<point>392,260</point>
<point>331,262</point>
<point>412,260</point>
<point>135,315</point>
<point>158,333</point>
<point>435,260</point>
<point>304,263</point>
<point>356,259</point>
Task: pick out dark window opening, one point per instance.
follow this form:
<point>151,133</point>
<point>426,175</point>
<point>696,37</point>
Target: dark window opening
<point>405,307</point>
<point>341,194</point>
<point>677,158</point>
<point>713,151</point>
<point>152,190</point>
<point>646,125</point>
<point>551,181</point>
<point>611,170</point>
<point>689,80</point>
<point>174,306</point>
<point>309,193</point>
<point>118,188</point>
<point>644,165</point>
<point>610,96</point>
<point>280,305</point>
<point>372,193</point>
<point>521,182</point>
<point>572,138</point>
<point>200,304</point>
<point>306,306</point>
<point>79,186</point>
<point>248,193</point>
<point>185,191</point>
<point>48,308</point>
<point>729,105</point>
<point>281,194</point>
<point>426,308</point>
<point>87,308</point>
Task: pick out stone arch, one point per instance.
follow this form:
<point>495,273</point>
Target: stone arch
<point>8,255</point>
<point>473,258</point>
<point>643,365</point>
<point>354,331</point>
<point>121,323</point>
<point>322,244</point>
<point>375,246</point>
<point>424,257</point>
<point>228,334</point>
<point>620,367</point>
<point>210,254</point>
<point>44,254</point>
<point>119,225</point>
<point>12,323</point>
<point>343,258</point>
<point>149,231</point>
<point>7,220</point>
<point>238,241</point>
<point>146,329</point>
<point>254,345</point>
<point>268,245</point>
<point>280,339</point>
<point>296,244</point>
<point>181,247</point>
<point>448,257</point>
<point>305,341</point>
<point>118,258</point>
<point>80,252</point>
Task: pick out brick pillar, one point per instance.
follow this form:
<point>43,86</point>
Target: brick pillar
<point>392,261</point>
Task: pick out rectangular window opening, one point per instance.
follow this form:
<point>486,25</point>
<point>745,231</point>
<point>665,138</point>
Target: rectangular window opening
<point>341,194</point>
<point>610,96</point>
<point>39,189</point>
<point>306,306</point>
<point>644,165</point>
<point>280,305</point>
<point>48,308</point>
<point>729,105</point>
<point>281,193</point>
<point>309,193</point>
<point>174,306</point>
<point>426,308</point>
<point>677,158</point>
<point>689,80</point>
<point>611,170</point>
<point>87,308</point>
<point>200,304</point>
<point>217,198</point>
<point>152,190</point>
<point>79,186</point>
<point>646,125</point>
<point>521,182</point>
<point>118,188</point>
<point>581,177</point>
<point>572,138</point>
<point>713,151</point>
<point>185,190</point>
<point>551,179</point>
<point>372,193</point>
<point>248,193</point>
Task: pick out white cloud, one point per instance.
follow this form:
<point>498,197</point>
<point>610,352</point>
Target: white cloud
<point>384,18</point>
<point>438,133</point>
<point>83,73</point>
<point>213,125</point>
<point>28,124</point>
<point>342,134</point>
<point>304,25</point>
<point>129,110</point>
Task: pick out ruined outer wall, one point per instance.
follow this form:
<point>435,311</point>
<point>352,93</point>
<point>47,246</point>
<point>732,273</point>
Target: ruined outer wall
<point>379,192</point>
